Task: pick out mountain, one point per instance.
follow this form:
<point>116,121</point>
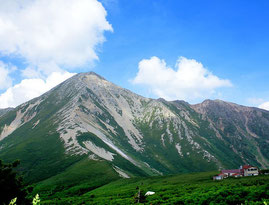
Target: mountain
<point>245,129</point>
<point>4,111</point>
<point>90,125</point>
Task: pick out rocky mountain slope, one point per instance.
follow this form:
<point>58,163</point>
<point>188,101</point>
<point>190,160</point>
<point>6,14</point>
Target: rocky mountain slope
<point>89,118</point>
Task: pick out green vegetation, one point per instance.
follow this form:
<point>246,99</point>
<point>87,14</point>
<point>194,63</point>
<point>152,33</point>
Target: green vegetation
<point>195,188</point>
<point>36,200</point>
<point>78,179</point>
<point>11,185</point>
<point>41,151</point>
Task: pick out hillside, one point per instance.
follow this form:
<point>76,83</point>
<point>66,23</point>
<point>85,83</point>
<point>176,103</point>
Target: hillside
<point>89,120</point>
<point>195,188</point>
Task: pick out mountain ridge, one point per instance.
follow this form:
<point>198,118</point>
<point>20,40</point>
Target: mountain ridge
<point>89,117</point>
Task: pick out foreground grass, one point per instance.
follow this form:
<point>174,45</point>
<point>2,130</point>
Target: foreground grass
<point>78,179</point>
<point>196,188</point>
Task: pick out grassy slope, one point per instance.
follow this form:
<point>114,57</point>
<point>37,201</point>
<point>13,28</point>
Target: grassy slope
<point>40,149</point>
<point>42,155</point>
<point>169,162</point>
<point>158,156</point>
<point>78,179</point>
<point>196,188</point>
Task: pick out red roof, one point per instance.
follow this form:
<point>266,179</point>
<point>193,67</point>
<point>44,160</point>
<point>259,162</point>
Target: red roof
<point>236,174</point>
<point>246,166</point>
<point>231,171</point>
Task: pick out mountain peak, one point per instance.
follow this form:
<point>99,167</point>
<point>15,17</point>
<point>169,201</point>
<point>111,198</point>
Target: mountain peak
<point>213,101</point>
<point>80,80</point>
<point>91,73</point>
<point>209,102</point>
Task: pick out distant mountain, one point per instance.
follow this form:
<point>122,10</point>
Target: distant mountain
<point>91,120</point>
<point>4,111</point>
<point>244,129</point>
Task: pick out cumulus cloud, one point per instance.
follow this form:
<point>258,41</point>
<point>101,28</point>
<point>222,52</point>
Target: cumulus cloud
<point>264,106</point>
<point>65,33</point>
<point>28,89</point>
<point>259,102</point>
<point>5,80</point>
<point>190,80</point>
<point>49,37</point>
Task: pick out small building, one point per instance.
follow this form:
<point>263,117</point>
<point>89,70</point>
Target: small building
<point>231,172</point>
<point>219,177</point>
<point>236,175</point>
<point>246,170</point>
<point>250,170</point>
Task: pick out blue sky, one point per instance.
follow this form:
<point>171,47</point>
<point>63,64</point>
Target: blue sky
<point>226,42</point>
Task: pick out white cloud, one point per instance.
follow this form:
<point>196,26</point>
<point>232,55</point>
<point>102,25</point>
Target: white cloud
<point>30,72</point>
<point>28,89</point>
<point>191,80</point>
<point>49,37</point>
<point>259,102</point>
<point>264,106</point>
<point>5,80</point>
<point>65,33</point>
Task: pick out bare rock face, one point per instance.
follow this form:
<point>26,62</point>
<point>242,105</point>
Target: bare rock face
<point>88,116</point>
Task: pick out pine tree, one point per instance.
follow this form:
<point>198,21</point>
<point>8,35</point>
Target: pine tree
<point>11,184</point>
